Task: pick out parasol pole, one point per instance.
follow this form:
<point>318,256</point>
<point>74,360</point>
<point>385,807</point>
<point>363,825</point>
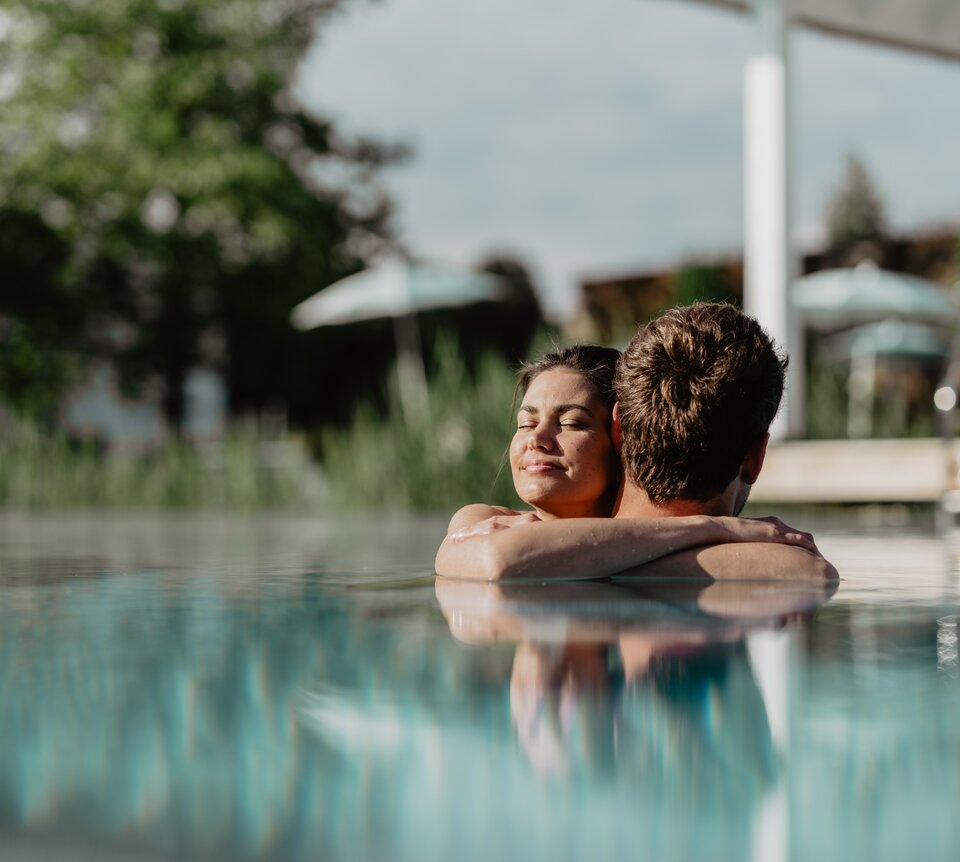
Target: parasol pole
<point>411,375</point>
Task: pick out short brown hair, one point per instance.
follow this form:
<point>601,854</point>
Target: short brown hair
<point>697,388</point>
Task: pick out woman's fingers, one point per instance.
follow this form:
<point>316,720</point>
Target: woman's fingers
<point>492,524</point>
<point>769,529</point>
<point>781,532</point>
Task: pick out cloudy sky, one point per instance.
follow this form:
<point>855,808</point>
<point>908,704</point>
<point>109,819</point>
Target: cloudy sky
<point>603,137</point>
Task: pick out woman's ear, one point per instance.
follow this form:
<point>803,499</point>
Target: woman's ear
<point>753,462</point>
<point>615,427</point>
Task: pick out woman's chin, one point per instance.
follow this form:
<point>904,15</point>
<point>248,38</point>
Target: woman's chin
<point>557,505</point>
<point>541,493</point>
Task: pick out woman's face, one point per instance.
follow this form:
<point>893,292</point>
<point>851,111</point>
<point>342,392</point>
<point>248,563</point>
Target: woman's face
<point>562,455</point>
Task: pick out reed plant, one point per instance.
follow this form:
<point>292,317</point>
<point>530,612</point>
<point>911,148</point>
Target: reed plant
<point>45,469</point>
<point>452,453</point>
<point>828,407</point>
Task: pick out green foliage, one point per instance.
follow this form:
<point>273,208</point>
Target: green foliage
<point>828,405</point>
<point>32,378</point>
<point>506,327</point>
<point>827,399</point>
<point>44,470</point>
<point>454,454</point>
<point>892,418</point>
<point>698,282</point>
<point>172,200</point>
<point>855,212</point>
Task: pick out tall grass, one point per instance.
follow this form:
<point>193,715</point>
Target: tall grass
<point>42,469</point>
<point>453,453</point>
<point>828,407</point>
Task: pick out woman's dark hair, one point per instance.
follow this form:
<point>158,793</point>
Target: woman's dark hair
<point>597,364</point>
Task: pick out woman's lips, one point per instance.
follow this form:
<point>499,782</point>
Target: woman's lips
<point>541,467</point>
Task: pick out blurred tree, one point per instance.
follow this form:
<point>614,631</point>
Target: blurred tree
<point>36,319</point>
<point>855,213</point>
<point>505,328</point>
<point>521,315</point>
<point>702,282</point>
<point>164,201</point>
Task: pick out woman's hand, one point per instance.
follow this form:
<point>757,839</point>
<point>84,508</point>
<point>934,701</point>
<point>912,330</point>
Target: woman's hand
<point>492,524</point>
<point>769,529</point>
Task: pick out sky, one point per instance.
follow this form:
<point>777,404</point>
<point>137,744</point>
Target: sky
<point>602,138</point>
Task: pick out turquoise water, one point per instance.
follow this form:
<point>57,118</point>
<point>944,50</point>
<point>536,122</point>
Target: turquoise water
<point>223,688</point>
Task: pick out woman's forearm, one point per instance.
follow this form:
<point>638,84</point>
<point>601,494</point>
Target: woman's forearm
<point>575,548</point>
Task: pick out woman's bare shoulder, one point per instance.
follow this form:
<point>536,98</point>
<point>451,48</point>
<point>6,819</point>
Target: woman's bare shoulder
<point>474,513</point>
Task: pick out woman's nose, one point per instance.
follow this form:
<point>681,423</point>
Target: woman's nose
<point>540,438</point>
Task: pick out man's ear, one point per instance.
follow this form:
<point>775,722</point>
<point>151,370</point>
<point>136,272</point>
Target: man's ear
<point>615,432</point>
<point>753,462</point>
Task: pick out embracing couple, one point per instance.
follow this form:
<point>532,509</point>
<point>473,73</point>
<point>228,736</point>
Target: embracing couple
<point>641,461</point>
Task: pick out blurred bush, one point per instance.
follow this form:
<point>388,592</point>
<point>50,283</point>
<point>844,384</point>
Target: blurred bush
<point>455,453</point>
<point>40,469</point>
<point>895,410</point>
<point>704,282</point>
<point>827,396</point>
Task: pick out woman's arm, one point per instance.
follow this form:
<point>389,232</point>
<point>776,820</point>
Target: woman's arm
<point>577,548</point>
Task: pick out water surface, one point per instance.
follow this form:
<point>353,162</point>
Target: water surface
<point>288,688</point>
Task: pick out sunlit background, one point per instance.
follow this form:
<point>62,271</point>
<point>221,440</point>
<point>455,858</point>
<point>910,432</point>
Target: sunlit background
<point>178,177</point>
<point>267,270</point>
<point>606,139</point>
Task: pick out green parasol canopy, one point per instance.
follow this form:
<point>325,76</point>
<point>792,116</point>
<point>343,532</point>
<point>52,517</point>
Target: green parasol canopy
<point>835,298</point>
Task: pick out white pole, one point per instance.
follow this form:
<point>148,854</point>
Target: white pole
<point>769,654</point>
<point>768,263</point>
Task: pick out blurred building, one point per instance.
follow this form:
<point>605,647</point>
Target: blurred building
<point>98,410</point>
<point>611,307</point>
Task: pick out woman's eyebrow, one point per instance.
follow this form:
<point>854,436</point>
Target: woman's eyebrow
<point>566,408</point>
<point>560,408</point>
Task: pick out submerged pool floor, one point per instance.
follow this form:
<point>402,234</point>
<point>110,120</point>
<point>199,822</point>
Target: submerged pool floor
<point>211,687</point>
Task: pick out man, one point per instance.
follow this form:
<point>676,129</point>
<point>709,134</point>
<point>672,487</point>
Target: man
<point>697,390</point>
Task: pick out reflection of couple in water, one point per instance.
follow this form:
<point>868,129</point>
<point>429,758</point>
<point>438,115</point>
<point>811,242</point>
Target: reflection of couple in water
<point>604,667</point>
<point>641,461</point>
<point>651,697</point>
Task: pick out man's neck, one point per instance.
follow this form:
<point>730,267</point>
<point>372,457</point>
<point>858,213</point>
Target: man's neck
<point>634,503</point>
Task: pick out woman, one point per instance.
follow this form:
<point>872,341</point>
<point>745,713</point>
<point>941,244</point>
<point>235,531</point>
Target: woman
<point>562,457</point>
<point>564,465</point>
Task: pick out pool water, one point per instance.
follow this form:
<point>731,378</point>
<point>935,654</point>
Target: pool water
<point>199,687</point>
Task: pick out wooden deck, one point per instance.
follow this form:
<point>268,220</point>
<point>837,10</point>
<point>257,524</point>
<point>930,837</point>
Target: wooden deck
<point>858,471</point>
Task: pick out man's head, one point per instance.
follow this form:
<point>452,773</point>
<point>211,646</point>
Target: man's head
<point>697,389</point>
